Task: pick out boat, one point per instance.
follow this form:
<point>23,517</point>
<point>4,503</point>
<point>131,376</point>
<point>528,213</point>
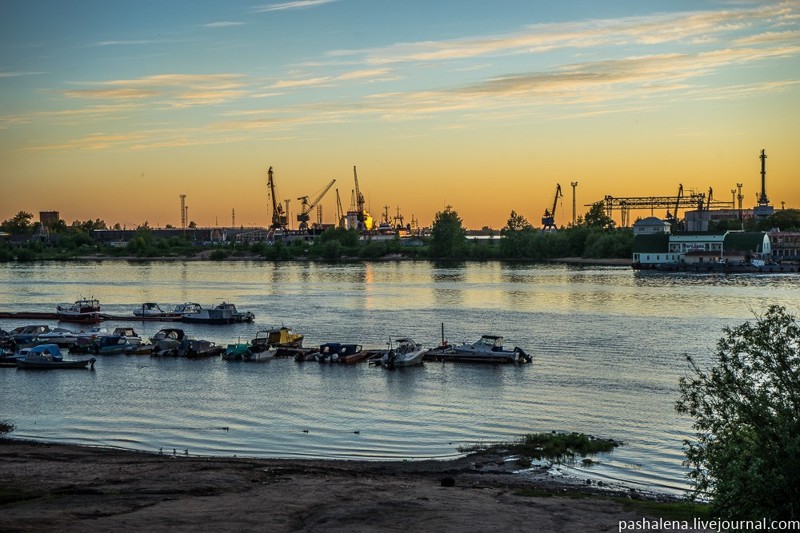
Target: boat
<point>186,308</point>
<point>86,339</point>
<point>167,340</point>
<point>28,334</point>
<point>224,313</point>
<point>197,348</point>
<point>345,354</point>
<point>263,355</point>
<point>407,353</point>
<point>243,351</point>
<point>113,344</point>
<point>133,338</point>
<point>153,310</point>
<point>236,352</point>
<point>487,349</point>
<point>84,311</point>
<point>61,336</point>
<point>8,358</point>
<point>48,357</point>
<point>282,337</point>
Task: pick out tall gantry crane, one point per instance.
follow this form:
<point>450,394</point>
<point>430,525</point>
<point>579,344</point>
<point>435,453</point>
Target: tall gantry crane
<point>306,206</point>
<point>549,218</point>
<point>692,200</point>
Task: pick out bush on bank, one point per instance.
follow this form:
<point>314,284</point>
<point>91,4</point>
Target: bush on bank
<point>745,454</point>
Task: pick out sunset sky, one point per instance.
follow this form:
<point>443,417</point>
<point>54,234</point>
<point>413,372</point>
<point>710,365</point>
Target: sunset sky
<point>112,109</point>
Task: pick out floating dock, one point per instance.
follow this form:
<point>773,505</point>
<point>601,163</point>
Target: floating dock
<point>33,315</point>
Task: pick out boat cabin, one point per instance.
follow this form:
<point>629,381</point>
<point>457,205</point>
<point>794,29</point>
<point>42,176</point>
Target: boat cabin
<point>492,342</point>
<point>169,334</point>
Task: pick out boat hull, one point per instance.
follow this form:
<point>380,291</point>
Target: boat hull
<point>54,365</point>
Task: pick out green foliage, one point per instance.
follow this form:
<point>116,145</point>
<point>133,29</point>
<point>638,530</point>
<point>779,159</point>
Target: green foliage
<point>516,223</point>
<point>608,244</point>
<point>746,408</point>
<point>596,217</point>
<point>5,254</point>
<point>447,235</point>
<point>522,241</point>
<point>219,254</point>
<point>88,225</point>
<point>785,219</point>
<point>6,426</point>
<point>554,446</point>
<point>331,250</point>
<point>18,224</point>
<point>373,250</point>
<point>348,238</point>
<point>25,254</point>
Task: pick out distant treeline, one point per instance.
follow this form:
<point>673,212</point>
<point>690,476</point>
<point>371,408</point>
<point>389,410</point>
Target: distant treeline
<point>591,238</point>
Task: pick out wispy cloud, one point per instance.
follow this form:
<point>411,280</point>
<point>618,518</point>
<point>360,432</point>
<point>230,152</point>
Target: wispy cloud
<point>223,24</point>
<point>133,42</point>
<point>689,27</point>
<point>18,73</point>
<point>111,94</point>
<point>174,90</point>
<point>94,141</point>
<point>283,6</point>
<point>375,73</point>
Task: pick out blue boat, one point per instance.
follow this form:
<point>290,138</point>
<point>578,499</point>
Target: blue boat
<point>48,357</point>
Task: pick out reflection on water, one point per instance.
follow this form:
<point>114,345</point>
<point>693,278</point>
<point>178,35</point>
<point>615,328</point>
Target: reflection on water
<point>608,347</point>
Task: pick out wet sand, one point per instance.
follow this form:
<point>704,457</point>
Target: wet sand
<point>56,487</point>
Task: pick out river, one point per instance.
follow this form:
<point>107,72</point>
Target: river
<point>608,349</point>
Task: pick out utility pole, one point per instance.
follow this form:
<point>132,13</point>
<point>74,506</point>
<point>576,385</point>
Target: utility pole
<point>574,184</point>
<point>741,198</point>
<point>233,217</point>
<point>183,211</point>
<point>733,193</point>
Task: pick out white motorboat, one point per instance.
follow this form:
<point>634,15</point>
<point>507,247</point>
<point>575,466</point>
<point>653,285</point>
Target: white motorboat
<point>487,349</point>
<point>153,310</point>
<point>263,355</point>
<point>406,353</point>
<point>60,336</point>
<point>224,313</point>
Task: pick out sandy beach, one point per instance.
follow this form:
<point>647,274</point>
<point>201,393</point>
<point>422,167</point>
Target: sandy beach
<point>56,487</point>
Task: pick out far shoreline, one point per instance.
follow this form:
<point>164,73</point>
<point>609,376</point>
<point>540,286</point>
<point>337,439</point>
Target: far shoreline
<point>203,257</point>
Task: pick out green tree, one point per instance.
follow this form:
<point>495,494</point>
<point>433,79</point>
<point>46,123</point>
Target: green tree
<point>19,223</point>
<point>596,217</point>
<point>785,219</point>
<point>447,235</point>
<point>746,409</point>
<point>516,223</point>
<point>517,234</point>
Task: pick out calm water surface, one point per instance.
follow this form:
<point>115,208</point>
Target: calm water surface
<point>608,347</point>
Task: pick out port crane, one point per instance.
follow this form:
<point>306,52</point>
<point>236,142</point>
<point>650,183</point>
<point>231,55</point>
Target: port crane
<point>548,220</point>
<point>363,219</point>
<point>278,215</point>
<point>306,206</point>
<point>672,217</point>
<point>339,211</point>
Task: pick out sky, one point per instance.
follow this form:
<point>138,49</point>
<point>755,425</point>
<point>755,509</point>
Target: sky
<point>113,109</point>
